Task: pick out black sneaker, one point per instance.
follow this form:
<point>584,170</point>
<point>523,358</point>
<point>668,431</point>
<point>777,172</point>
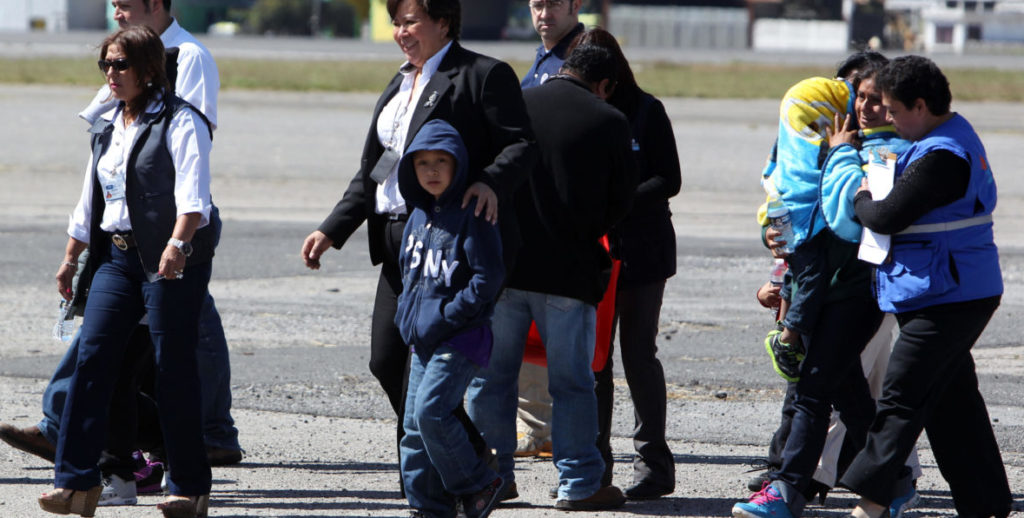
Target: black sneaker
<point>647,490</point>
<point>608,497</point>
<point>786,358</point>
<point>480,504</point>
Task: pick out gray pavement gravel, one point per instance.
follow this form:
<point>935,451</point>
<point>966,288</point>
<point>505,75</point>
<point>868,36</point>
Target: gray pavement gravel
<point>316,427</point>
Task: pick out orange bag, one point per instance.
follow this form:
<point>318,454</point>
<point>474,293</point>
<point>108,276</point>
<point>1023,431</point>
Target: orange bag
<point>535,352</point>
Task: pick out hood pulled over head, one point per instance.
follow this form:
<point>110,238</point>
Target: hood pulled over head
<point>435,135</point>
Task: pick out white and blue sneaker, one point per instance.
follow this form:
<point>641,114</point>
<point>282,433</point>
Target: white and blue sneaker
<point>766,503</point>
<point>118,491</point>
<point>904,503</point>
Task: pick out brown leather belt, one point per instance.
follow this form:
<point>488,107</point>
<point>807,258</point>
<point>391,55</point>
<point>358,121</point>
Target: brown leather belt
<point>123,241</point>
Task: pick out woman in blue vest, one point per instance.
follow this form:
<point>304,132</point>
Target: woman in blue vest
<point>143,215</point>
<point>943,282</point>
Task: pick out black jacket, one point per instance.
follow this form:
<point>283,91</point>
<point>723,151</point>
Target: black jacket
<point>645,240</point>
<point>480,97</point>
<point>582,186</point>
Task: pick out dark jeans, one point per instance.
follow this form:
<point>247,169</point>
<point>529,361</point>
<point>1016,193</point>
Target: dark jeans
<point>214,376</point>
<point>119,296</point>
<point>637,310</point>
<point>830,375</point>
<point>389,354</point>
<point>808,267</point>
<point>931,385</point>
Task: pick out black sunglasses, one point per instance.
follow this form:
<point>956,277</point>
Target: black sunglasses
<point>119,64</point>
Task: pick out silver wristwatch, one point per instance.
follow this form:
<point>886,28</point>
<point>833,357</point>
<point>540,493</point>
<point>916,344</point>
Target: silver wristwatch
<point>184,246</point>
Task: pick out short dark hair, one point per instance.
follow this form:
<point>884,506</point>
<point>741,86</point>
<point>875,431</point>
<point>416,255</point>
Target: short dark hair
<point>859,60</point>
<point>450,10</point>
<point>167,4</point>
<point>591,63</point>
<point>909,78</point>
<point>145,54</point>
<point>867,70</point>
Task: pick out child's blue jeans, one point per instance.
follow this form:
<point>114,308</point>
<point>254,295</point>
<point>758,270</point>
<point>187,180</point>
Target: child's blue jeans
<point>438,461</point>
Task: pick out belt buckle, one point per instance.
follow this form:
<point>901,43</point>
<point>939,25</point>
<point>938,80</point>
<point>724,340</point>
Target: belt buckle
<point>119,242</point>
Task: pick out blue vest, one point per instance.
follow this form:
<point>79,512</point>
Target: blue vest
<point>947,255</point>
<point>149,191</point>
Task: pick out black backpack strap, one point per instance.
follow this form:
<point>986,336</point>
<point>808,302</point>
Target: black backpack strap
<point>176,104</point>
<point>171,66</point>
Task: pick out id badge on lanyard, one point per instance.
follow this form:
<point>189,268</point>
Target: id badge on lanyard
<point>113,185</point>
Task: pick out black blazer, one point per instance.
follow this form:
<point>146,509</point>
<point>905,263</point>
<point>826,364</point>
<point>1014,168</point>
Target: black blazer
<point>480,97</point>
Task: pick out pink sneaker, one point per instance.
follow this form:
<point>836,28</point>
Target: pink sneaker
<point>148,476</point>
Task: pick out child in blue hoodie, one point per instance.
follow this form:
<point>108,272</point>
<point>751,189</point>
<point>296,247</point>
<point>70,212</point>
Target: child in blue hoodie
<point>452,271</point>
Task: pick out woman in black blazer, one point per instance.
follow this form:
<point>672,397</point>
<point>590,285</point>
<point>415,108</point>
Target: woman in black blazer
<point>476,94</point>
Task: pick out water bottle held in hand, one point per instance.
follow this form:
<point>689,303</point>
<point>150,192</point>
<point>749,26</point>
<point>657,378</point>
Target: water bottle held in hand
<point>778,215</point>
<point>779,272</point>
<point>64,330</point>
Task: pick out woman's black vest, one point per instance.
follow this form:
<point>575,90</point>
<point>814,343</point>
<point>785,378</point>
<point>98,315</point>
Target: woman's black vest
<point>149,190</point>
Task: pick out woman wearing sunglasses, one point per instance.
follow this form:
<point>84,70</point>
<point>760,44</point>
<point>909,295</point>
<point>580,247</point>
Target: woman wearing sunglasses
<point>144,214</point>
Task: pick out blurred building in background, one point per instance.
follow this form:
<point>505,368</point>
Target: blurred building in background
<point>777,25</point>
<point>51,15</point>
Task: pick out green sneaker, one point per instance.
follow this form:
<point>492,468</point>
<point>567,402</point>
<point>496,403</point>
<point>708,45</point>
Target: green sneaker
<point>786,358</point>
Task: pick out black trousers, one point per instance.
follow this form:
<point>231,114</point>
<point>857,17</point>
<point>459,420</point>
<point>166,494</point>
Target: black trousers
<point>389,355</point>
<point>637,310</point>
<point>830,375</point>
<point>931,385</point>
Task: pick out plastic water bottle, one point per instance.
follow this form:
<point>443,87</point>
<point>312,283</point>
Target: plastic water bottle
<point>779,272</point>
<point>64,330</point>
<point>778,215</point>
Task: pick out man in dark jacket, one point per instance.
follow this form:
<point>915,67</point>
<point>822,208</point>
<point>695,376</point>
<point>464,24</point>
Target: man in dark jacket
<point>580,188</point>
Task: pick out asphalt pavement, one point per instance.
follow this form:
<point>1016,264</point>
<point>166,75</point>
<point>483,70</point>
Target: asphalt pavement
<point>316,427</point>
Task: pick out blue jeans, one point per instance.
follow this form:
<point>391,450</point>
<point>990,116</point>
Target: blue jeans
<point>120,295</point>
<point>214,378</point>
<point>811,275</point>
<point>568,328</point>
<point>438,461</point>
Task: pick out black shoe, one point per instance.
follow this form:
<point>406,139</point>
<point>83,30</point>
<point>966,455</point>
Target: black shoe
<point>553,493</point>
<point>29,439</point>
<point>818,489</point>
<point>509,492</point>
<point>757,482</point>
<point>417,514</point>
<point>480,504</point>
<point>646,490</point>
<point>223,456</point>
<point>608,497</point>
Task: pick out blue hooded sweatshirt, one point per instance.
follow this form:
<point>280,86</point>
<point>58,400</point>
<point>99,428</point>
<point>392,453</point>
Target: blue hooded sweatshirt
<point>844,168</point>
<point>452,267</point>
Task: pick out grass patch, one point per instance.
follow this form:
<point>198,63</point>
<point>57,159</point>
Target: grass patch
<point>710,81</point>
